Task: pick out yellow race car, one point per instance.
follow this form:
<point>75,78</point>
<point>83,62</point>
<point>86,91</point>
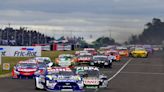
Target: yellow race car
<point>139,52</point>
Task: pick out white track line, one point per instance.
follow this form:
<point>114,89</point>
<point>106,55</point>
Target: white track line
<point>117,72</point>
<point>157,65</point>
<point>120,70</point>
<point>144,73</point>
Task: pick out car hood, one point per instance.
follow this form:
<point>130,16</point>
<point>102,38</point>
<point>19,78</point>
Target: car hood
<point>26,70</point>
<point>91,81</point>
<point>139,51</point>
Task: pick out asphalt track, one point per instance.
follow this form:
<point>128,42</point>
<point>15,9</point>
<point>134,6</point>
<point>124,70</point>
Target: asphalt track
<point>129,75</point>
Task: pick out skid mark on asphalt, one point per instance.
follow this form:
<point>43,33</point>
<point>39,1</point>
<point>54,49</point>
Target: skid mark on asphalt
<point>120,70</point>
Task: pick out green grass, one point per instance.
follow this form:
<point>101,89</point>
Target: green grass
<point>14,60</point>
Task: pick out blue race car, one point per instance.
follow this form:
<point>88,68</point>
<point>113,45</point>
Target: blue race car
<point>59,79</point>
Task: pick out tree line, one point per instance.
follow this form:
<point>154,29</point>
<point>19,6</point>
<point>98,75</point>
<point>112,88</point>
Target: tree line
<point>152,34</point>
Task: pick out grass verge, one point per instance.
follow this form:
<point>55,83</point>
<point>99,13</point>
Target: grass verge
<point>14,60</point>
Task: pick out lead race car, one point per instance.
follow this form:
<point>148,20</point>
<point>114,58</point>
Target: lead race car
<point>59,79</point>
<point>92,77</point>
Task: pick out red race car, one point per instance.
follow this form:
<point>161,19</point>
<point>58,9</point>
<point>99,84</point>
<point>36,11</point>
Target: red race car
<point>85,58</point>
<point>25,69</point>
<point>91,50</point>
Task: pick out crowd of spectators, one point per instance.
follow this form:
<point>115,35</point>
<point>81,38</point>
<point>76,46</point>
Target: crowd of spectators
<point>22,37</point>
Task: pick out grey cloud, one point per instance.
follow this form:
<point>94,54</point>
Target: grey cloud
<point>122,17</point>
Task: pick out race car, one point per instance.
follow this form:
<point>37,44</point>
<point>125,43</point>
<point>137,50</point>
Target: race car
<point>43,60</point>
<point>123,51</point>
<point>113,53</point>
<point>26,69</point>
<point>59,79</point>
<point>66,60</point>
<point>148,48</point>
<point>80,52</point>
<point>139,52</point>
<point>91,50</point>
<point>101,61</point>
<point>92,77</point>
<point>84,58</point>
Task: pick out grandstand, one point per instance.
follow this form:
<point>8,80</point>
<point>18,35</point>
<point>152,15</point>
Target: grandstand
<point>22,37</point>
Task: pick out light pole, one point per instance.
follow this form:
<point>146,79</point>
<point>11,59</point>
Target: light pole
<point>110,34</point>
<point>15,36</point>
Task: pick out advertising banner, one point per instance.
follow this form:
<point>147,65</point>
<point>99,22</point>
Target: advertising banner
<point>3,50</point>
<point>21,51</point>
<point>6,66</point>
<point>45,48</point>
<point>61,47</point>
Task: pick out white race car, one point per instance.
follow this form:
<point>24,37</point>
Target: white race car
<point>92,77</point>
<point>66,60</point>
<point>45,60</point>
<point>59,79</point>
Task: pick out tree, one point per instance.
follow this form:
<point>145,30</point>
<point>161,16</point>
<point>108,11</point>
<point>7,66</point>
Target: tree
<point>103,41</point>
<point>152,34</point>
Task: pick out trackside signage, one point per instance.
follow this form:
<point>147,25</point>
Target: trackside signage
<point>60,47</point>
<point>6,66</point>
<point>3,50</point>
<point>22,51</point>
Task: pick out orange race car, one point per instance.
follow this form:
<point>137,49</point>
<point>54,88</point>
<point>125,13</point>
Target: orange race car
<point>115,53</point>
<point>123,51</point>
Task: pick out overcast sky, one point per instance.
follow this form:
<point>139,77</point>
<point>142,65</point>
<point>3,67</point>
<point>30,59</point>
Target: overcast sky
<point>121,18</point>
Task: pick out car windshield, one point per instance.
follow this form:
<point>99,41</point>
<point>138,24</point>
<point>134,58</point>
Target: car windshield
<point>84,56</point>
<point>90,51</point>
<point>67,57</point>
<point>66,73</point>
<point>41,64</point>
<point>89,73</point>
<point>147,46</point>
<point>100,58</point>
<point>113,53</point>
<point>139,49</point>
<point>27,65</point>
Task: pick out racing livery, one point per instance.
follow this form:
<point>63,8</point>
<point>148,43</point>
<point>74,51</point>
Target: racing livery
<point>28,68</point>
<point>45,60</point>
<point>84,58</point>
<point>66,60</point>
<point>139,52</point>
<point>91,50</point>
<point>113,53</point>
<point>92,77</point>
<point>148,48</point>
<point>123,51</point>
<point>59,79</point>
<point>101,60</point>
<point>80,52</point>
